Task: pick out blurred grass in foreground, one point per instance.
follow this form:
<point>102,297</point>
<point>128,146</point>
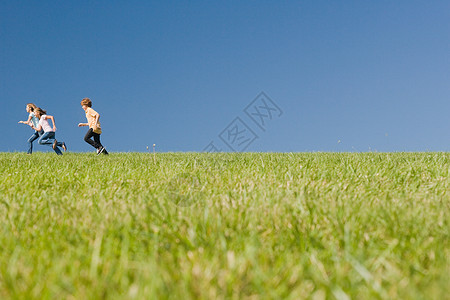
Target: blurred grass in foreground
<point>230,225</point>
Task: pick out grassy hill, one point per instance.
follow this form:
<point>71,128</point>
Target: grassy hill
<point>233,225</point>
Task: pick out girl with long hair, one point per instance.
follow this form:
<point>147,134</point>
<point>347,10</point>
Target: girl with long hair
<point>48,138</point>
<point>32,120</point>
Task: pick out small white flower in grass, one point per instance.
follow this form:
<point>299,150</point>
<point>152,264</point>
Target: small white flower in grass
<point>134,289</point>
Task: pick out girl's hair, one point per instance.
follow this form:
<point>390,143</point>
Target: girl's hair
<point>87,102</point>
<point>40,111</point>
<point>32,106</point>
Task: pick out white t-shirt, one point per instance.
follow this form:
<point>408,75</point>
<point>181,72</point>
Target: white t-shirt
<point>34,119</point>
<point>44,124</point>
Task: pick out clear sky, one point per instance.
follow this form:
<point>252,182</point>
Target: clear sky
<point>345,75</point>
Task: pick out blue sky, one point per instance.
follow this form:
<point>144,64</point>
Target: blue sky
<point>373,75</point>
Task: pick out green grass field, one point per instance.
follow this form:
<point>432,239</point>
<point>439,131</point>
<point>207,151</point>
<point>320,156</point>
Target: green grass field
<point>225,226</point>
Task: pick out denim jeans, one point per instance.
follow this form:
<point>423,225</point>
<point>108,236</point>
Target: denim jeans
<point>32,138</point>
<point>48,138</point>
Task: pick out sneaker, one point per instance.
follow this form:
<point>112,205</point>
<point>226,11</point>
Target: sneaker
<point>54,144</point>
<point>100,150</point>
<point>64,147</point>
<point>105,152</point>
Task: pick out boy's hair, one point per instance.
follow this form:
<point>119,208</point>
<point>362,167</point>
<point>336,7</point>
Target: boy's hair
<point>40,111</point>
<point>87,102</point>
<point>32,106</point>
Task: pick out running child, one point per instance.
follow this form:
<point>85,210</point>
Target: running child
<point>48,138</point>
<point>32,120</point>
<point>92,136</point>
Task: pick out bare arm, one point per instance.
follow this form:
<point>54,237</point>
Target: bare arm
<point>27,121</point>
<point>53,121</point>
<point>96,117</point>
<point>39,128</point>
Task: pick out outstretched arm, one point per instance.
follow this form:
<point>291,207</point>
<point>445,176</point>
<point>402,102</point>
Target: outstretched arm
<point>82,124</point>
<point>27,121</point>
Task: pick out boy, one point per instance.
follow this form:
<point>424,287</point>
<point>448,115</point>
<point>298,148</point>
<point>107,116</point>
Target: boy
<point>94,126</point>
